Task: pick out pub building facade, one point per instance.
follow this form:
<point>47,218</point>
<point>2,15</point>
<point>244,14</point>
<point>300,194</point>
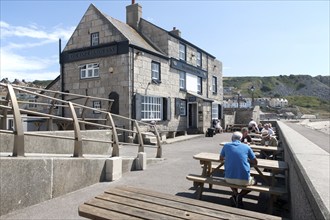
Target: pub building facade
<point>153,75</point>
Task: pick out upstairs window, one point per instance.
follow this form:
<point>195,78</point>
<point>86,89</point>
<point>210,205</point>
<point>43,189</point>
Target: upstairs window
<point>31,104</point>
<point>214,84</point>
<point>182,51</point>
<point>89,71</point>
<point>95,39</point>
<point>182,81</point>
<point>199,85</point>
<point>199,59</point>
<point>155,71</point>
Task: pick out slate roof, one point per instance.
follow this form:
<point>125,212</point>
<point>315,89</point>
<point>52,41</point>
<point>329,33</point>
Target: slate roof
<point>131,34</point>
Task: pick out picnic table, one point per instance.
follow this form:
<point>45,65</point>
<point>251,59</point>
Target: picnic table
<point>127,202</point>
<point>208,170</point>
<point>262,149</point>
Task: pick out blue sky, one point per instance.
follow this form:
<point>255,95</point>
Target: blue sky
<point>251,38</point>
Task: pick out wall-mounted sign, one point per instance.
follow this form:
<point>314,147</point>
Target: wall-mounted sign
<point>180,65</point>
<point>192,99</point>
<point>94,52</point>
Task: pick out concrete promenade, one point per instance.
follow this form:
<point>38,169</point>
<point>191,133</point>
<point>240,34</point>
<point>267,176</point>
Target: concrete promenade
<point>168,176</point>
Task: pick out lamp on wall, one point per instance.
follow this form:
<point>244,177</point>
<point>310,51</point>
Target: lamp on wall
<point>110,70</point>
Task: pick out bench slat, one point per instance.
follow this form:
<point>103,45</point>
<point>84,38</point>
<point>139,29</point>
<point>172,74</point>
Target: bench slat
<point>222,182</point>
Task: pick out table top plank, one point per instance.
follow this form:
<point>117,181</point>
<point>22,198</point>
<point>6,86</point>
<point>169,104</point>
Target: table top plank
<point>259,147</point>
<point>162,208</point>
<point>262,163</point>
<point>128,210</point>
<point>97,213</point>
<point>240,213</point>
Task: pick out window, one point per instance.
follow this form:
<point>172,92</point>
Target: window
<point>151,108</point>
<point>183,107</point>
<point>32,105</point>
<point>182,51</point>
<point>214,85</point>
<point>182,81</point>
<point>199,59</point>
<point>155,71</point>
<point>95,39</point>
<point>215,111</point>
<point>89,71</point>
<point>199,85</point>
<point>97,104</point>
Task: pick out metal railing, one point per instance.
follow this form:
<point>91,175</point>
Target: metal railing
<point>12,105</point>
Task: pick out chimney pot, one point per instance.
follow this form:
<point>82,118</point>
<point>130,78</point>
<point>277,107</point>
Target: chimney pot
<point>174,28</point>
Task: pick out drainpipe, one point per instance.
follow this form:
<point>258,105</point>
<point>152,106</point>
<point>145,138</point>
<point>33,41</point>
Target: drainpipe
<point>132,78</point>
<point>62,74</point>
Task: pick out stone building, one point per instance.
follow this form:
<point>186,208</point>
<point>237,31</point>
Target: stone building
<point>150,73</point>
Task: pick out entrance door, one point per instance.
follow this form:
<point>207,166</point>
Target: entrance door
<point>192,115</point>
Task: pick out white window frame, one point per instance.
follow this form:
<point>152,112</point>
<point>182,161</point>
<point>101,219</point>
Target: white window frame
<point>97,105</point>
<point>199,59</point>
<point>214,84</point>
<point>151,108</point>
<point>199,85</point>
<point>182,51</point>
<point>155,70</point>
<point>183,107</point>
<point>32,105</point>
<point>95,39</point>
<point>182,80</point>
<point>89,71</point>
<point>215,111</point>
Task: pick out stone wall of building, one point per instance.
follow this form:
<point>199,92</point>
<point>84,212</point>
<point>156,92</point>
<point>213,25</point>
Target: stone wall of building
<point>92,22</point>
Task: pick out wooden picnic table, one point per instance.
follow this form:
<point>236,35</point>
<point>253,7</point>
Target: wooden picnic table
<point>127,202</point>
<point>262,149</point>
<point>206,160</point>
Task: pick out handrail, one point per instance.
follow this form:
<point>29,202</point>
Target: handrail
<point>12,105</point>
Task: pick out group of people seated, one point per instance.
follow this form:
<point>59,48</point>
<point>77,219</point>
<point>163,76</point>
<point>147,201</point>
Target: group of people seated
<point>237,156</point>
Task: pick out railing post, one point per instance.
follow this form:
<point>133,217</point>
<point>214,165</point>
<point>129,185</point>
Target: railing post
<point>77,134</point>
<point>82,115</point>
<point>115,144</point>
<point>159,144</point>
<point>50,112</point>
<point>140,139</point>
<point>4,114</point>
<point>18,131</point>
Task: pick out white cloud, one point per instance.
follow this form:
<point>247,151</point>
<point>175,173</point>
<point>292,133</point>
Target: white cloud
<point>15,65</point>
<point>34,31</point>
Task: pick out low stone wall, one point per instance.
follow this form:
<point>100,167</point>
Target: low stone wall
<point>46,145</point>
<point>26,181</point>
<point>308,175</point>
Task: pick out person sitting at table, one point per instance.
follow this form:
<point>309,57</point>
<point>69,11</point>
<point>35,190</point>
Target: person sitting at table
<point>267,139</point>
<point>253,126</point>
<point>260,127</point>
<point>246,138</point>
<point>237,158</point>
<point>267,128</point>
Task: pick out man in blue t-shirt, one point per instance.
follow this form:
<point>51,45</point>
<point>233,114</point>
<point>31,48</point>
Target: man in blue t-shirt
<point>237,157</point>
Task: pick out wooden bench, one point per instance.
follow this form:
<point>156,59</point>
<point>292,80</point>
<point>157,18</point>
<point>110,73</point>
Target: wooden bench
<point>252,172</point>
<point>134,203</point>
<point>220,181</point>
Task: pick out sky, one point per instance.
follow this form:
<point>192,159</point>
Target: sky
<point>250,38</point>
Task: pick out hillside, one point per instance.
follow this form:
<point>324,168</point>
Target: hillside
<point>281,86</point>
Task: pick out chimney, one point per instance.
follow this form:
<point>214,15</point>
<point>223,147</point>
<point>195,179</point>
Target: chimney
<point>176,32</point>
<point>133,15</point>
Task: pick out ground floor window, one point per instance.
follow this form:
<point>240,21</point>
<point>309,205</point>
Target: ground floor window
<point>215,111</point>
<point>151,108</point>
<point>183,107</point>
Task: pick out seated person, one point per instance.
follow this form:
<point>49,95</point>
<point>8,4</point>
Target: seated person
<point>267,139</point>
<point>237,158</point>
<point>267,128</point>
<point>253,126</point>
<point>246,138</point>
<point>260,127</point>
<point>217,126</point>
